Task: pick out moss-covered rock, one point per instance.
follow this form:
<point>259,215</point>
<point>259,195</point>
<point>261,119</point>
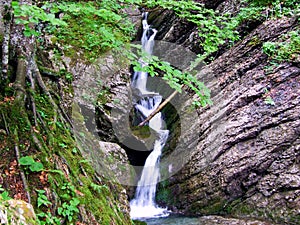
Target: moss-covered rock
<point>17,212</point>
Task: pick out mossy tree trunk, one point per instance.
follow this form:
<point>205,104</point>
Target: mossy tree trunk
<point>34,124</point>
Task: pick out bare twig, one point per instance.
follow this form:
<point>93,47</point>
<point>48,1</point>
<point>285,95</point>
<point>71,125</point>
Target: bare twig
<point>17,152</point>
<point>158,108</point>
<point>5,124</point>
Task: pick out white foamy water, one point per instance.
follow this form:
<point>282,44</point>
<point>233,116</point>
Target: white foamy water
<point>143,205</point>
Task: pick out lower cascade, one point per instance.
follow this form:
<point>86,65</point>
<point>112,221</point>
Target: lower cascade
<point>143,204</point>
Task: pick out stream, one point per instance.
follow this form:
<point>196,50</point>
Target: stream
<point>143,205</point>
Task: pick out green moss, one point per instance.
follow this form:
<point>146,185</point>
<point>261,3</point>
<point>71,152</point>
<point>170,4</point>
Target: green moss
<point>138,222</point>
<point>141,131</point>
<point>104,97</point>
<point>214,206</point>
<point>295,219</point>
<point>255,41</point>
<point>242,209</point>
<point>163,194</point>
<point>56,152</point>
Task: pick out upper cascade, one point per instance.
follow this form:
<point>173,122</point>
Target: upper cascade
<point>143,205</point>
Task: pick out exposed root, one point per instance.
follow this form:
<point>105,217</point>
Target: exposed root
<point>45,89</point>
<point>5,124</point>
<point>65,116</point>
<point>20,79</point>
<point>45,127</point>
<point>37,141</point>
<point>29,74</point>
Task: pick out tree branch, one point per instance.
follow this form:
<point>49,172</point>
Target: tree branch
<point>158,108</point>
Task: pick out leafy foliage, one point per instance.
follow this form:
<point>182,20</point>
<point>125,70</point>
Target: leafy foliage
<point>214,29</point>
<point>68,210</point>
<point>93,27</point>
<point>174,77</point>
<point>276,8</point>
<point>286,50</point>
<point>4,195</point>
<point>31,15</point>
<point>30,163</point>
<point>98,188</point>
<point>42,199</point>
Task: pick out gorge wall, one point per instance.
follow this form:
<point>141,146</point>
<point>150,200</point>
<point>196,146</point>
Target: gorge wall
<point>245,158</point>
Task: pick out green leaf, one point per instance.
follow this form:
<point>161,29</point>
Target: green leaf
<point>40,191</point>
<point>269,101</point>
<point>56,171</point>
<point>26,161</point>
<point>14,4</point>
<point>36,167</point>
<point>27,33</point>
<point>5,196</point>
<point>74,202</point>
<point>63,145</point>
<point>59,210</point>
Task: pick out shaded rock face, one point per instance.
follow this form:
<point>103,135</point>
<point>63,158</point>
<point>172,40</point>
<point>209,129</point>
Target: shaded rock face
<point>98,88</point>
<point>175,30</point>
<point>246,161</point>
<point>104,96</point>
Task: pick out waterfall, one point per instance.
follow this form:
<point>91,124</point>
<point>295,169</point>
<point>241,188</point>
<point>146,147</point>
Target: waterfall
<point>143,205</point>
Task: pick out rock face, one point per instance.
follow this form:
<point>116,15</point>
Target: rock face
<point>214,220</point>
<point>243,157</point>
<point>246,160</point>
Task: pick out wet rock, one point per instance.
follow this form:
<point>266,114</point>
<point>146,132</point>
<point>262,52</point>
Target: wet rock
<point>213,220</point>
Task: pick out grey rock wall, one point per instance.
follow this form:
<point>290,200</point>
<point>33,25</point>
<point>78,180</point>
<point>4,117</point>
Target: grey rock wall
<point>246,162</point>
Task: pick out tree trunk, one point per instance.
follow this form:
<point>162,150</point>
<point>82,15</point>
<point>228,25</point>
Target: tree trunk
<point>7,15</point>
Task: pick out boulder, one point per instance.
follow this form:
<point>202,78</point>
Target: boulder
<point>17,212</point>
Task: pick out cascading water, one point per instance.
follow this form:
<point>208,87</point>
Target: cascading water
<point>143,205</point>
